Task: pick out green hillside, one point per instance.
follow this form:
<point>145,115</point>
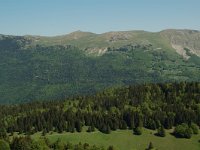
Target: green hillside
<point>128,118</point>
<point>53,68</point>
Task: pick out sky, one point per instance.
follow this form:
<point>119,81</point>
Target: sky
<point>58,17</point>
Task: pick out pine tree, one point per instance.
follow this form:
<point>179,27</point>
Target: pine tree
<point>150,147</point>
<point>44,132</point>
<point>111,148</point>
<point>138,131</point>
<point>124,125</point>
<point>161,132</point>
<point>78,126</point>
<point>91,129</point>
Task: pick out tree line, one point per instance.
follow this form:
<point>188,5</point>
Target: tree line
<point>153,106</point>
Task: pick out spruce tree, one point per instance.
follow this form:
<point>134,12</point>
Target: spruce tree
<point>161,132</point>
<point>138,131</point>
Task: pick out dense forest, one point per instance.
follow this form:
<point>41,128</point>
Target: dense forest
<point>55,72</point>
<point>152,106</point>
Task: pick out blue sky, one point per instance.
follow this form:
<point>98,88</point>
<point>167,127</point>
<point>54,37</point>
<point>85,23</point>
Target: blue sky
<point>56,17</point>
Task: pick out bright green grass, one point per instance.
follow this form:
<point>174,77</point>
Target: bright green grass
<point>125,140</point>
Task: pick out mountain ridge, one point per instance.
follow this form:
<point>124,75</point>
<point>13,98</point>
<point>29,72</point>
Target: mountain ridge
<point>82,31</point>
<point>176,39</point>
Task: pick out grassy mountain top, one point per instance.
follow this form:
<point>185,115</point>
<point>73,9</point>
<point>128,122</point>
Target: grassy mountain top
<point>171,39</point>
<point>98,43</point>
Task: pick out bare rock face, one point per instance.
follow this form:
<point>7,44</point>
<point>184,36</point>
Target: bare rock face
<point>96,51</point>
<point>181,39</point>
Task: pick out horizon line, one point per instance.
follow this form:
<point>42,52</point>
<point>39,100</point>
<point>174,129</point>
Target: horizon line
<point>137,30</point>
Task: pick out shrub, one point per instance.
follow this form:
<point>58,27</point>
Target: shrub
<point>138,131</point>
<point>4,145</point>
<point>161,132</point>
<point>195,128</point>
<point>91,129</point>
<point>183,131</point>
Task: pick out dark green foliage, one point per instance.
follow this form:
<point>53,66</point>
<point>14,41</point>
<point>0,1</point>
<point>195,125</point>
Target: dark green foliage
<point>161,132</point>
<point>4,145</point>
<point>151,124</point>
<point>138,131</point>
<point>105,129</point>
<point>3,133</point>
<point>188,133</point>
<point>183,131</point>
<point>44,132</point>
<point>111,148</point>
<point>195,128</point>
<point>91,128</point>
<point>39,145</point>
<point>46,141</point>
<point>134,107</point>
<point>21,143</point>
<point>69,146</point>
<point>58,145</point>
<point>123,125</point>
<point>150,147</point>
<point>56,72</point>
<point>78,126</point>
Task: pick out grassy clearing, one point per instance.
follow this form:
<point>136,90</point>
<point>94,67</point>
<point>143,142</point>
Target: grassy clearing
<point>125,140</point>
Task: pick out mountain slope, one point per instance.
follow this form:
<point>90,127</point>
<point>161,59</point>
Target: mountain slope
<point>181,39</point>
<point>171,39</point>
<point>50,68</point>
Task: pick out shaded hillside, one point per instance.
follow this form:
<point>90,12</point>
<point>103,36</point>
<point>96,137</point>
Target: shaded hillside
<point>46,68</point>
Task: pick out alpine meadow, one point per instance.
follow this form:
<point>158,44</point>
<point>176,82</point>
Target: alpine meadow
<point>132,83</point>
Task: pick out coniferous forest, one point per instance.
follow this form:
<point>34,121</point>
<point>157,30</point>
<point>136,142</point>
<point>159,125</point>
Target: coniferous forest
<point>152,106</point>
<point>99,75</point>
